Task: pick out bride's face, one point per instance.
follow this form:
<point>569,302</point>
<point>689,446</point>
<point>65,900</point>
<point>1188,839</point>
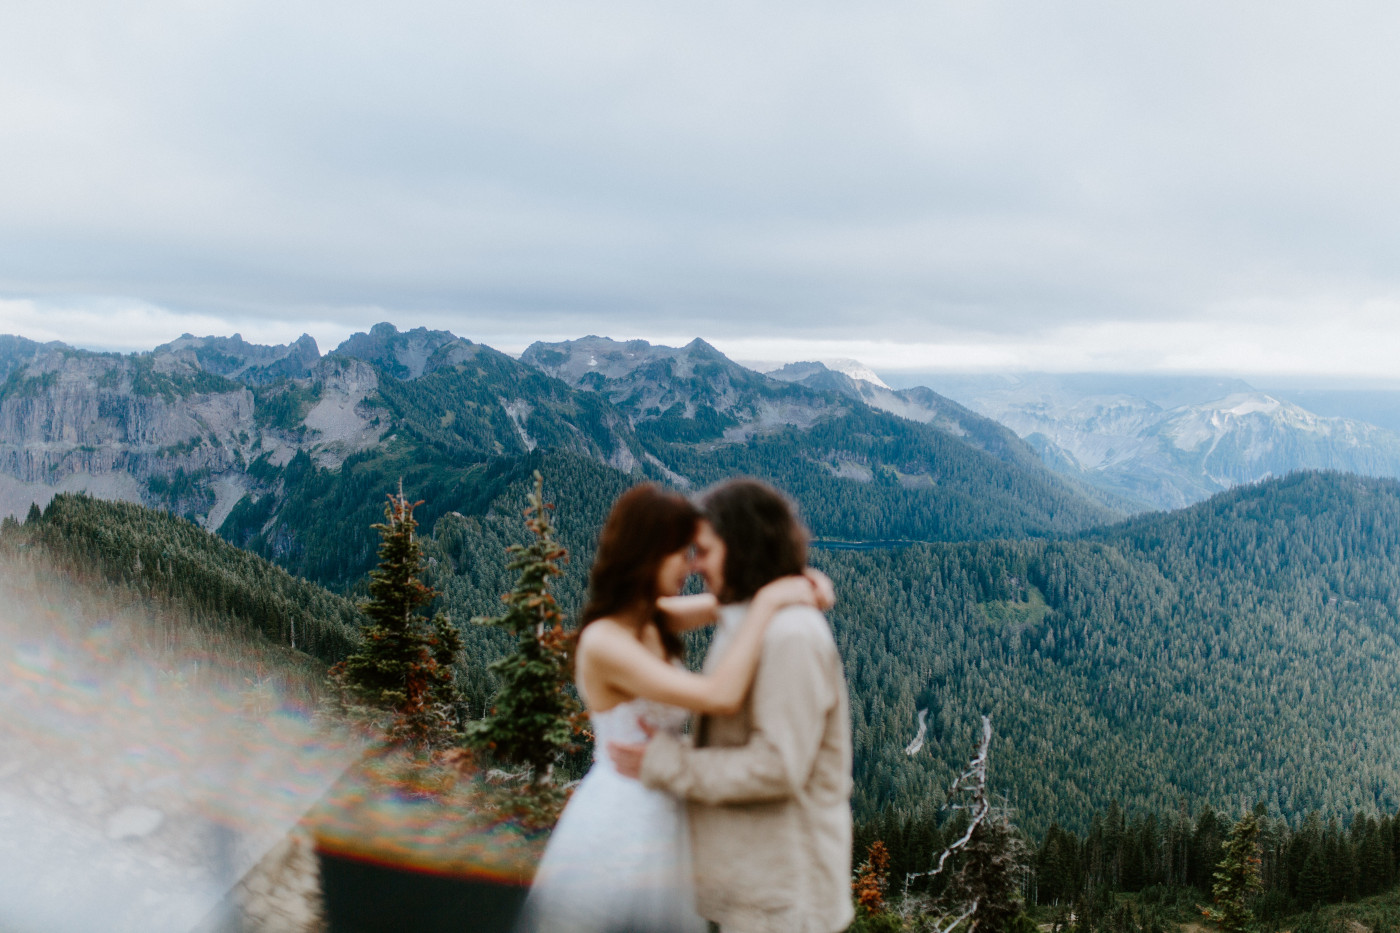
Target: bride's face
<point>670,576</point>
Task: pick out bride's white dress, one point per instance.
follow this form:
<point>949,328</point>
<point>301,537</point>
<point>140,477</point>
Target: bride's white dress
<point>619,857</point>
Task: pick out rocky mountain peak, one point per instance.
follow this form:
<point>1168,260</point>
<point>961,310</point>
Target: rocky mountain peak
<point>691,384</point>
<point>250,363</point>
<point>17,351</point>
<point>575,360</point>
<point>407,354</point>
<point>856,370</point>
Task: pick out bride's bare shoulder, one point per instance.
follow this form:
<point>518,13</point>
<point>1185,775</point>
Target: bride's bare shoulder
<point>601,634</point>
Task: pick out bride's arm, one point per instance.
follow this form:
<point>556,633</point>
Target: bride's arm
<point>684,613</point>
<point>620,660</point>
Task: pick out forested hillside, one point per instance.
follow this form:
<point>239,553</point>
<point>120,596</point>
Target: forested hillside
<point>236,436</point>
<point>461,421</point>
<point>165,560</point>
<point>1240,651</point>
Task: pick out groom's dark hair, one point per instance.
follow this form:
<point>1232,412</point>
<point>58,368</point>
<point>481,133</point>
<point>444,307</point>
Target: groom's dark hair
<point>763,540</point>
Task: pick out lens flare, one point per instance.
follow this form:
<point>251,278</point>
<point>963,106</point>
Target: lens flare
<point>145,764</point>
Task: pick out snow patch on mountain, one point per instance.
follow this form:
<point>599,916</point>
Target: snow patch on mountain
<point>856,370</point>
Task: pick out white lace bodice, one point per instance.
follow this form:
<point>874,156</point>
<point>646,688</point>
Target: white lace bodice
<point>621,723</point>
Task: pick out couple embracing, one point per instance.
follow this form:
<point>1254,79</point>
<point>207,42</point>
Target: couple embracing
<point>746,822</point>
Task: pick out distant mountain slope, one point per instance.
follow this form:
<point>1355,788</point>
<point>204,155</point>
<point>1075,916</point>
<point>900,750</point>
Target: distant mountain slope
<point>1379,406</point>
<point>688,394</point>
<point>250,364</point>
<point>926,406</point>
<point>1168,442</point>
<point>167,559</point>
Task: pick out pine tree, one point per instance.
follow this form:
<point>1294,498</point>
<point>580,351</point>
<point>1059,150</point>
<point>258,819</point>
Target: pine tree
<point>405,664</point>
<point>534,717</point>
<point>1237,877</point>
<point>1312,879</point>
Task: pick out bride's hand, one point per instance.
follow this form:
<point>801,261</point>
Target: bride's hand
<point>825,590</point>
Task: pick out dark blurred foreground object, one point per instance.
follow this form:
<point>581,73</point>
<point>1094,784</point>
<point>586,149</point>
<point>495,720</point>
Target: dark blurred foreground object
<point>365,897</point>
<point>408,842</point>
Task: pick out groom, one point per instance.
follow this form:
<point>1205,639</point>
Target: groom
<point>767,788</point>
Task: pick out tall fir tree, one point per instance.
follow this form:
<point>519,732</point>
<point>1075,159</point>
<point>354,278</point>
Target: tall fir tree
<point>405,664</point>
<point>534,716</point>
<point>1237,877</point>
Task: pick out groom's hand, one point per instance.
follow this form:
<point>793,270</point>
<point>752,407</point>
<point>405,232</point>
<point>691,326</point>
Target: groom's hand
<point>627,757</point>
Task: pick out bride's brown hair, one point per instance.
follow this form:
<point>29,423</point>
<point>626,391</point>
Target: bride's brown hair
<point>647,524</point>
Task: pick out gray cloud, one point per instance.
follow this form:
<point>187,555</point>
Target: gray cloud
<point>913,172</point>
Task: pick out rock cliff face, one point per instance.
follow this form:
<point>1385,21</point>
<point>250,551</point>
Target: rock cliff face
<point>275,447</point>
<point>122,427</point>
<point>177,427</point>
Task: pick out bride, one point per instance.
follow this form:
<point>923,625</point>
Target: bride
<point>619,858</point>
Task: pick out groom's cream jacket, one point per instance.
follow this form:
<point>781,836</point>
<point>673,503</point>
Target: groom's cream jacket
<point>768,789</point>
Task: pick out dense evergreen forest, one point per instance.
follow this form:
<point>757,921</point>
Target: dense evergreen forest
<point>1167,861</point>
<point>1238,651</point>
<point>1143,664</point>
<point>1146,679</point>
<point>1241,650</point>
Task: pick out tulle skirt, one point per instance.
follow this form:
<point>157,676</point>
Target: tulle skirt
<point>618,861</point>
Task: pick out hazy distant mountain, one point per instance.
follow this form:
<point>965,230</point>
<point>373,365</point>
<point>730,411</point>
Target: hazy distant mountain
<point>1171,441</point>
<point>922,404</point>
<point>1378,406</point>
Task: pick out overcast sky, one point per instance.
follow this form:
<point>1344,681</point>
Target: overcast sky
<point>1066,186</point>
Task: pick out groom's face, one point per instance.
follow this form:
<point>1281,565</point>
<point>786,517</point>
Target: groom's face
<point>709,557</point>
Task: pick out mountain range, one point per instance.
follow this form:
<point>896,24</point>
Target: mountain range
<point>212,427</point>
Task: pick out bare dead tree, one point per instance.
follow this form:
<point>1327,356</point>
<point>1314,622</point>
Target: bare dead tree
<point>972,782</point>
<point>991,858</point>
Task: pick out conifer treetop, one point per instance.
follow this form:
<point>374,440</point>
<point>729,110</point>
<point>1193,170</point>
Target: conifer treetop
<point>534,717</point>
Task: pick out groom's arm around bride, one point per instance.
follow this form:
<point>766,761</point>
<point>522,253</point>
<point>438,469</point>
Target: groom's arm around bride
<point>767,788</point>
